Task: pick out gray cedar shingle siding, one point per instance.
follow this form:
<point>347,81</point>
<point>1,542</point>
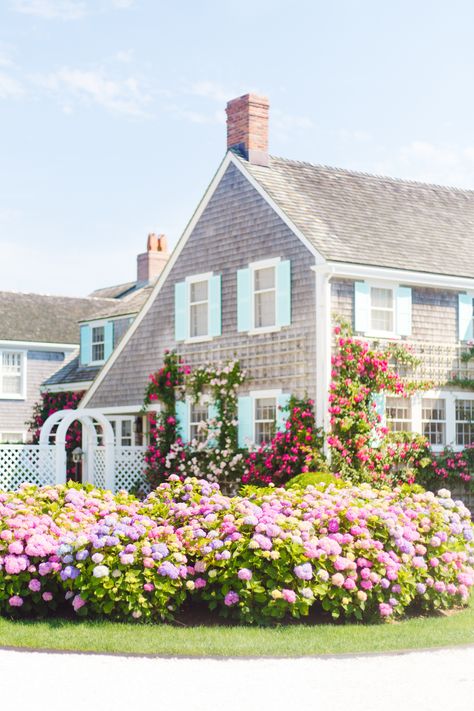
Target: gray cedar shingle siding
<point>368,219</point>
<point>237,227</point>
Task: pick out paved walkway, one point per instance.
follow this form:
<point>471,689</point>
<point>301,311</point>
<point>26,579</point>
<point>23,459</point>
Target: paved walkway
<point>417,681</point>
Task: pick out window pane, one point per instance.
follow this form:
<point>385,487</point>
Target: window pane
<point>197,417</point>
<point>98,352</point>
<point>398,414</point>
<point>433,415</point>
<point>382,320</point>
<point>98,334</point>
<point>381,298</point>
<point>11,437</point>
<point>198,291</point>
<point>265,309</point>
<point>11,373</point>
<point>126,433</point>
<point>265,278</point>
<point>464,422</point>
<point>199,316</point>
<point>265,418</point>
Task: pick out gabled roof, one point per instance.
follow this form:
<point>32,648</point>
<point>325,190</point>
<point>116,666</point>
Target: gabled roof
<point>367,219</point>
<point>128,305</point>
<point>44,319</point>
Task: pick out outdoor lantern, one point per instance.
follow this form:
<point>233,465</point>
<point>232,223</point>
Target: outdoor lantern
<point>77,455</point>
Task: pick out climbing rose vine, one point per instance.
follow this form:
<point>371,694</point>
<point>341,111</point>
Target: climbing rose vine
<point>362,448</point>
<point>296,449</point>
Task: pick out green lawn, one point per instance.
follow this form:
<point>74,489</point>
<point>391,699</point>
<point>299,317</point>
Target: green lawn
<point>224,641</point>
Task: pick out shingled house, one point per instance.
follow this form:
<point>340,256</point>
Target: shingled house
<point>57,344</point>
<point>38,335</point>
<point>274,250</point>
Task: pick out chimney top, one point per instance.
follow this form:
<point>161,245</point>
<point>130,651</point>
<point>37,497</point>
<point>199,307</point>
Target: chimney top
<point>247,127</point>
<point>151,263</point>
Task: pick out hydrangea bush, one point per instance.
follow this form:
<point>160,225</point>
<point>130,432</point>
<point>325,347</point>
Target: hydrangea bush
<point>353,551</point>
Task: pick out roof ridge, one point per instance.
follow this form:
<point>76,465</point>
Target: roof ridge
<point>57,296</point>
<point>378,176</point>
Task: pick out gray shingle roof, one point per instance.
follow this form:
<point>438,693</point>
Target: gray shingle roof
<point>113,292</point>
<point>366,219</point>
<point>124,306</point>
<point>73,372</point>
<point>43,318</point>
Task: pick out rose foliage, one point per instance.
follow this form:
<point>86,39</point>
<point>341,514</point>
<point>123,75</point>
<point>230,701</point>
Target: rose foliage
<point>352,551</point>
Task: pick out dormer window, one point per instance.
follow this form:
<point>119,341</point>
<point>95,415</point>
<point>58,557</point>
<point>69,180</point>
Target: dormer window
<point>98,344</point>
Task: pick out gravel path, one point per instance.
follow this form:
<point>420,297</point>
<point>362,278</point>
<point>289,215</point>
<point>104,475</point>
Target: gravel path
<point>418,681</point>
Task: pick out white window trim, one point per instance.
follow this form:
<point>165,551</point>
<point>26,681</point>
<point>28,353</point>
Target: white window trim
<point>192,280</point>
<point>393,334</point>
<point>387,420</point>
<point>118,419</point>
<point>24,360</point>
<point>97,324</point>
<point>450,397</point>
<point>255,266</point>
<point>9,432</point>
<point>256,395</point>
<point>204,399</point>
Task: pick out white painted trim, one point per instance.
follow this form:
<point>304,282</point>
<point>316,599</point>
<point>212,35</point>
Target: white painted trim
<point>23,434</point>
<point>254,267</point>
<point>64,387</point>
<point>193,279</point>
<point>402,277</point>
<point>23,374</point>
<point>38,346</point>
<point>128,409</point>
<point>323,348</point>
<point>265,393</point>
<point>198,277</point>
<point>162,278</point>
<point>240,164</point>
<point>265,263</point>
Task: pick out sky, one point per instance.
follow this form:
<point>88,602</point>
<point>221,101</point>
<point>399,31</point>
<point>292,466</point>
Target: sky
<point>112,118</point>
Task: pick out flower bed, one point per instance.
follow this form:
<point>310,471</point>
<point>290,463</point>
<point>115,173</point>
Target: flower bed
<point>353,551</point>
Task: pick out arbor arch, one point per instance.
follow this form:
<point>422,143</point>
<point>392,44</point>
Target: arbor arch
<point>86,416</point>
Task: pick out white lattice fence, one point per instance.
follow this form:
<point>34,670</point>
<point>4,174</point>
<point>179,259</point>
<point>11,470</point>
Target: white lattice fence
<point>129,467</point>
<point>20,463</point>
<point>98,472</point>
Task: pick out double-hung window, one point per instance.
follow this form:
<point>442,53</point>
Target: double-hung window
<point>382,309</point>
<point>433,419</point>
<point>12,374</point>
<point>264,296</point>
<point>197,307</point>
<point>464,422</point>
<point>265,419</point>
<point>198,416</point>
<point>466,316</point>
<point>398,414</point>
<point>382,317</point>
<point>98,344</point>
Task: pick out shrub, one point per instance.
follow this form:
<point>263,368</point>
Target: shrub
<point>321,479</point>
<point>356,552</point>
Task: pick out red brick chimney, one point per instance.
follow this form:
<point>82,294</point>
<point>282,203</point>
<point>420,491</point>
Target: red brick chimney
<point>151,263</point>
<point>247,127</point>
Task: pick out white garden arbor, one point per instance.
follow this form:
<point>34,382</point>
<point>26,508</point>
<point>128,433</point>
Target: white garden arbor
<point>95,457</point>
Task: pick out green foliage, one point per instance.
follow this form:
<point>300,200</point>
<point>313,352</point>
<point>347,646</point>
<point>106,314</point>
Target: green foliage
<point>320,479</point>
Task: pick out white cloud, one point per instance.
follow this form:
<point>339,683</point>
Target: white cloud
<point>124,55</point>
<point>9,87</point>
<point>427,162</point>
<point>122,4</point>
<point>124,96</point>
<point>52,9</point>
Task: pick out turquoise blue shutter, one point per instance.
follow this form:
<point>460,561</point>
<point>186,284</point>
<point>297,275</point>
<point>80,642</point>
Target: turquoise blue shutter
<point>86,345</point>
<point>282,414</point>
<point>182,419</point>
<point>379,400</point>
<point>465,317</point>
<point>181,311</point>
<point>108,339</point>
<point>361,307</point>
<point>283,301</point>
<point>403,296</point>
<point>245,417</point>
<point>212,414</point>
<point>244,290</point>
<point>215,315</point>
